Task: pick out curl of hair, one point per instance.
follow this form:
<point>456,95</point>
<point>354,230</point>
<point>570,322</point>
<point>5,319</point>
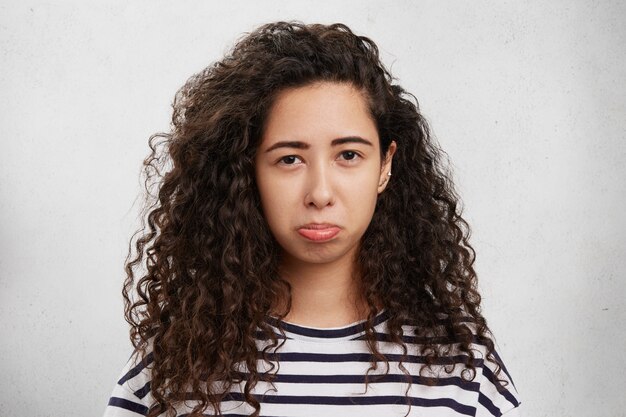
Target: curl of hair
<point>211,261</point>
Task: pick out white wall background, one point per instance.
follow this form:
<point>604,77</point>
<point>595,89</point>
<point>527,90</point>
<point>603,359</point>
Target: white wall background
<point>527,98</point>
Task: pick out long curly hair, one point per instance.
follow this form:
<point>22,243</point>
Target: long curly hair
<point>211,262</point>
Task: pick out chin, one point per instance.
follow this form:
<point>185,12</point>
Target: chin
<point>320,253</point>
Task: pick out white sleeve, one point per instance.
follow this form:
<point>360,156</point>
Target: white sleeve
<point>131,395</point>
<point>498,395</point>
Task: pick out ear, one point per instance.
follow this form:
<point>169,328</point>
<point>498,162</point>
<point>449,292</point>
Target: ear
<point>385,170</point>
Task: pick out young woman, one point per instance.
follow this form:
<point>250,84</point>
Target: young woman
<point>305,255</point>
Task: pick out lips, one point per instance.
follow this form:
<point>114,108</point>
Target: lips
<point>319,232</point>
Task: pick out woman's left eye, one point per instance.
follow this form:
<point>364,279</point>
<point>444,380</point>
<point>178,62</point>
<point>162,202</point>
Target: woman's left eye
<point>350,155</point>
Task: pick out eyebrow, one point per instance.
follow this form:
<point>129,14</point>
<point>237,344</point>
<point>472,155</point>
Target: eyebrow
<point>303,145</point>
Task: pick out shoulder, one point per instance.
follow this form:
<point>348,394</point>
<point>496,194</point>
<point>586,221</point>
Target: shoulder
<point>131,394</point>
<point>497,394</point>
<point>492,381</point>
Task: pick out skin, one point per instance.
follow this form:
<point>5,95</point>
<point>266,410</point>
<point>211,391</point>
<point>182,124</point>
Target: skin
<point>304,177</point>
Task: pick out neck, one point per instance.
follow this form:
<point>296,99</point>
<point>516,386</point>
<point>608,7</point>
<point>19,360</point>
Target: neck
<point>323,295</point>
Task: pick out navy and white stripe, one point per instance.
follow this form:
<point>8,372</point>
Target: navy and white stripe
<point>322,373</point>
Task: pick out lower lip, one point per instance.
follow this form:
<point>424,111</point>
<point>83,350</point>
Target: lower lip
<point>319,235</point>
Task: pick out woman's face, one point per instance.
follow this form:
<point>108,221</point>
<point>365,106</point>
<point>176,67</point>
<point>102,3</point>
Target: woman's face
<point>319,172</point>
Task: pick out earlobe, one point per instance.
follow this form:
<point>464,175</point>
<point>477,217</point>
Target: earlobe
<point>383,183</point>
<point>385,174</point>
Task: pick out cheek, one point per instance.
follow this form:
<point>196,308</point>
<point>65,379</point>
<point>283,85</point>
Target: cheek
<point>359,194</point>
<point>275,201</point>
<point>362,187</point>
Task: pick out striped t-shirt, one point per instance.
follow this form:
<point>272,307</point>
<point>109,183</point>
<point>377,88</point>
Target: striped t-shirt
<point>322,373</point>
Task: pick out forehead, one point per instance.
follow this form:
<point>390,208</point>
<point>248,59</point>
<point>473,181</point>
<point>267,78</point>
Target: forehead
<point>318,113</point>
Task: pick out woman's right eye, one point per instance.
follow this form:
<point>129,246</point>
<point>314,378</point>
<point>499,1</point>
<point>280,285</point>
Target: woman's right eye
<point>288,160</point>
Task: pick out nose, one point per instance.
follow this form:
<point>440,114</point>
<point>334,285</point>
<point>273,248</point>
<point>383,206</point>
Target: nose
<point>319,190</point>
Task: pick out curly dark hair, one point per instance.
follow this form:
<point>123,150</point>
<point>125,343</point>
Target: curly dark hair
<point>208,247</point>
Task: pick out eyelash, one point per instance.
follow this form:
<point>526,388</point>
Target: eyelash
<point>356,154</point>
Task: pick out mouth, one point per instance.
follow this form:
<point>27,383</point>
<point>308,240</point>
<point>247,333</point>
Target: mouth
<point>319,232</point>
